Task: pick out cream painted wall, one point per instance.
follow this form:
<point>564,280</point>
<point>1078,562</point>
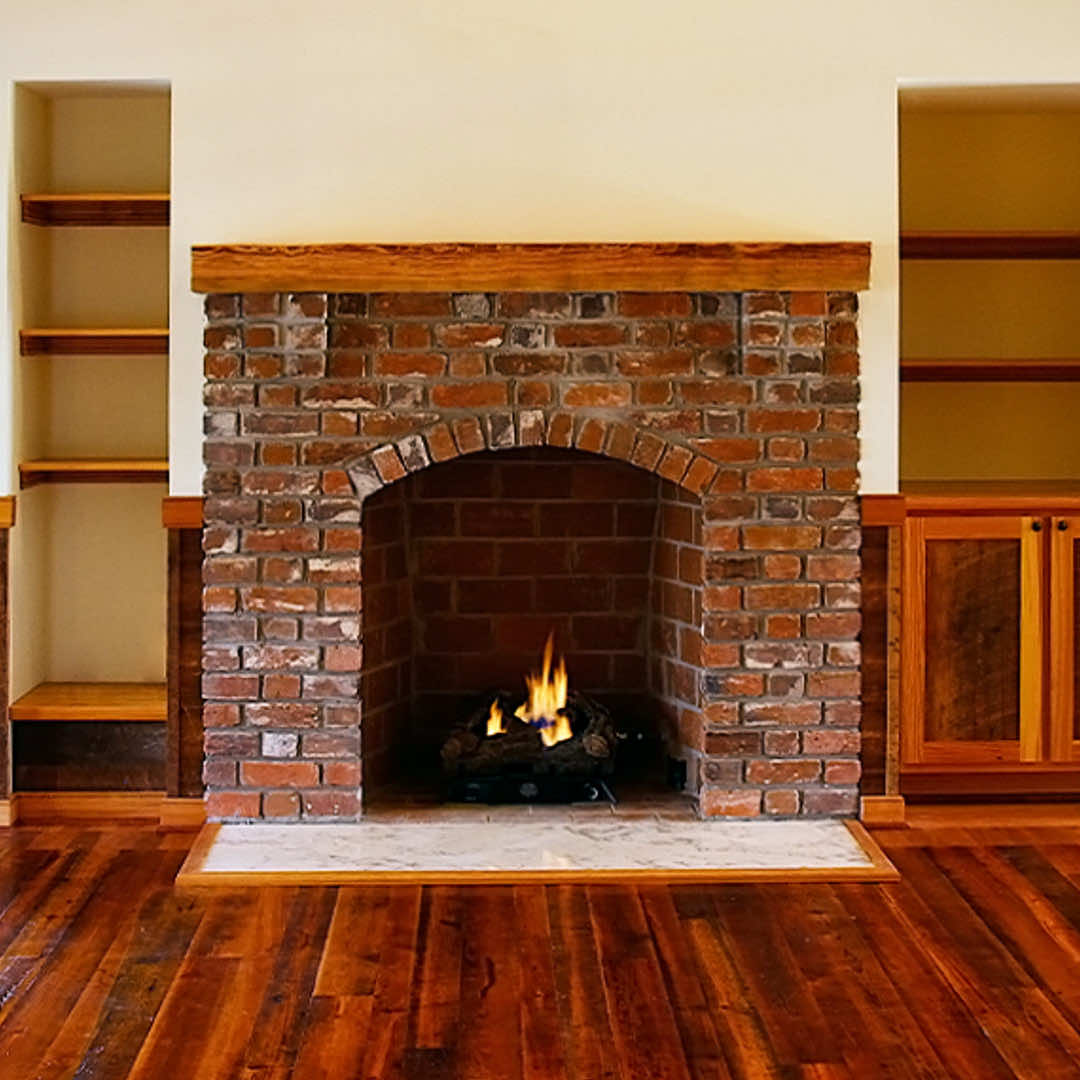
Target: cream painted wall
<point>70,622</point>
<point>541,120</point>
<point>980,168</point>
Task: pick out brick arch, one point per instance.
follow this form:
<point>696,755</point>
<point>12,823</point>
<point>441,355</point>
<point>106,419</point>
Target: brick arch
<point>446,440</point>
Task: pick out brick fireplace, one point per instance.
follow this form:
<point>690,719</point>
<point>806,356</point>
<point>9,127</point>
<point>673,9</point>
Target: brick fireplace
<point>406,491</point>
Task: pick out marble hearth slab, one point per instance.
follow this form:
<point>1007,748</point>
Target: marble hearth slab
<point>542,851</point>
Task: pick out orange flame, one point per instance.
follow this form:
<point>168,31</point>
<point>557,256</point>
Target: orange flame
<point>547,699</point>
<point>495,719</point>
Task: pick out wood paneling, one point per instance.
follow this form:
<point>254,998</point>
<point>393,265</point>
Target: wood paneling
<point>972,640</point>
<point>528,267</point>
<point>182,512</point>
<point>185,742</point>
<point>883,509</point>
<point>92,701</point>
<point>94,471</point>
<point>96,209</point>
<point>7,511</point>
<point>1017,244</point>
<point>114,341</point>
<point>5,738</point>
<point>54,807</point>
<point>963,969</point>
<point>989,369</point>
<point>875,592</point>
<point>77,756</point>
<point>1064,670</point>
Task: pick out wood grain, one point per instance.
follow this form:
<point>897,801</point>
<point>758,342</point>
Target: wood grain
<point>182,511</point>
<point>101,209</point>
<point>1064,671</point>
<point>1015,244</point>
<point>7,511</point>
<point>989,369</point>
<point>93,471</point>
<point>114,341</point>
<point>951,498</point>
<point>875,595</point>
<point>92,701</point>
<point>184,743</point>
<point>529,267</point>
<point>967,967</point>
<point>882,509</point>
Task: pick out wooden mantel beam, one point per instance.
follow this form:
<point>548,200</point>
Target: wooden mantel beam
<point>729,267</point>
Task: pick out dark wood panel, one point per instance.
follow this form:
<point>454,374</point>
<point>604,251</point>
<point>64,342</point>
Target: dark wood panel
<point>1017,244</point>
<point>972,640</point>
<point>875,670</point>
<point>964,968</point>
<point>4,661</point>
<point>77,756</point>
<point>989,369</point>
<point>185,726</point>
<point>528,267</point>
<point>111,342</point>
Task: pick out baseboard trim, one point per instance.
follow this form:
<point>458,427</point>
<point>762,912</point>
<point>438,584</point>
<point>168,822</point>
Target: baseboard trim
<point>883,811</point>
<point>994,815</point>
<point>179,813</point>
<point>9,811</point>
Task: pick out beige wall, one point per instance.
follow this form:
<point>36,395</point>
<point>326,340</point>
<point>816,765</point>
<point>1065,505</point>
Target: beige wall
<point>481,120</point>
<point>1005,167</point>
<point>71,621</point>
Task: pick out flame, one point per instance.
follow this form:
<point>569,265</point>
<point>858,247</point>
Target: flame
<point>495,719</point>
<point>547,699</point>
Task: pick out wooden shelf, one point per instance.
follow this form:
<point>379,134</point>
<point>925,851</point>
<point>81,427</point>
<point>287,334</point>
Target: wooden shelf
<point>94,471</point>
<point>989,369</point>
<point>528,267</point>
<point>919,244</point>
<point>97,209</point>
<point>145,702</point>
<point>149,341</point>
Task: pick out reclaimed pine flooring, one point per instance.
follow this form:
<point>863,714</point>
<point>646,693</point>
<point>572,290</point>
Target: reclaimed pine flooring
<point>968,968</point>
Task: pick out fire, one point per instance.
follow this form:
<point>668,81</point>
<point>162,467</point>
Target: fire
<point>495,719</point>
<point>547,700</point>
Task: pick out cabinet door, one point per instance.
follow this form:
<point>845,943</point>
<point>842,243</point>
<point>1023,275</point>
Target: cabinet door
<point>1064,674</point>
<point>973,640</point>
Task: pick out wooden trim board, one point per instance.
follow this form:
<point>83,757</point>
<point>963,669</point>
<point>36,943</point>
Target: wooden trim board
<point>7,511</point>
<point>998,244</point>
<point>882,509</point>
<point>93,471</point>
<point>993,815</point>
<point>882,811</point>
<point>92,701</point>
<point>52,807</point>
<point>106,342</point>
<point>989,369</point>
<point>192,875</point>
<point>650,267</point>
<point>182,511</point>
<point>96,209</point>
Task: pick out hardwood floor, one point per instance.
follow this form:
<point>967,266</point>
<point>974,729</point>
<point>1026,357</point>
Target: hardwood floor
<point>968,968</point>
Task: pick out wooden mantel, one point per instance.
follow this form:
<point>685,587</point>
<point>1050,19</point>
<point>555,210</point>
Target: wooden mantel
<point>729,267</point>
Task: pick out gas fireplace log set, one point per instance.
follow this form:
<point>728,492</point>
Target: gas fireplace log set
<point>557,745</point>
<point>378,550</point>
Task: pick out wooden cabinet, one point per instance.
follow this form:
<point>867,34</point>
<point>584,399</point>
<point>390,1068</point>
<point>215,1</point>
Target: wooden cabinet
<point>990,615</point>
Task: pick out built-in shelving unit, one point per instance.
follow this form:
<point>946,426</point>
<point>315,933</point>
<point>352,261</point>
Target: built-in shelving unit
<point>90,585</point>
<point>96,210</point>
<point>58,702</point>
<point>100,342</point>
<point>94,471</point>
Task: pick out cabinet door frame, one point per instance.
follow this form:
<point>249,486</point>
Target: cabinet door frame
<point>1063,643</point>
<point>1029,747</point>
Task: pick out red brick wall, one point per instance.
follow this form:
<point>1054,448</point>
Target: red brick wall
<point>746,401</point>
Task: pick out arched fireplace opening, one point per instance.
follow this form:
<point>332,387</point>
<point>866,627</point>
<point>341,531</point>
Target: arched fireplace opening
<point>469,566</point>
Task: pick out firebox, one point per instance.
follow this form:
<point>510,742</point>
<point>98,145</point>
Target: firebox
<point>408,494</point>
